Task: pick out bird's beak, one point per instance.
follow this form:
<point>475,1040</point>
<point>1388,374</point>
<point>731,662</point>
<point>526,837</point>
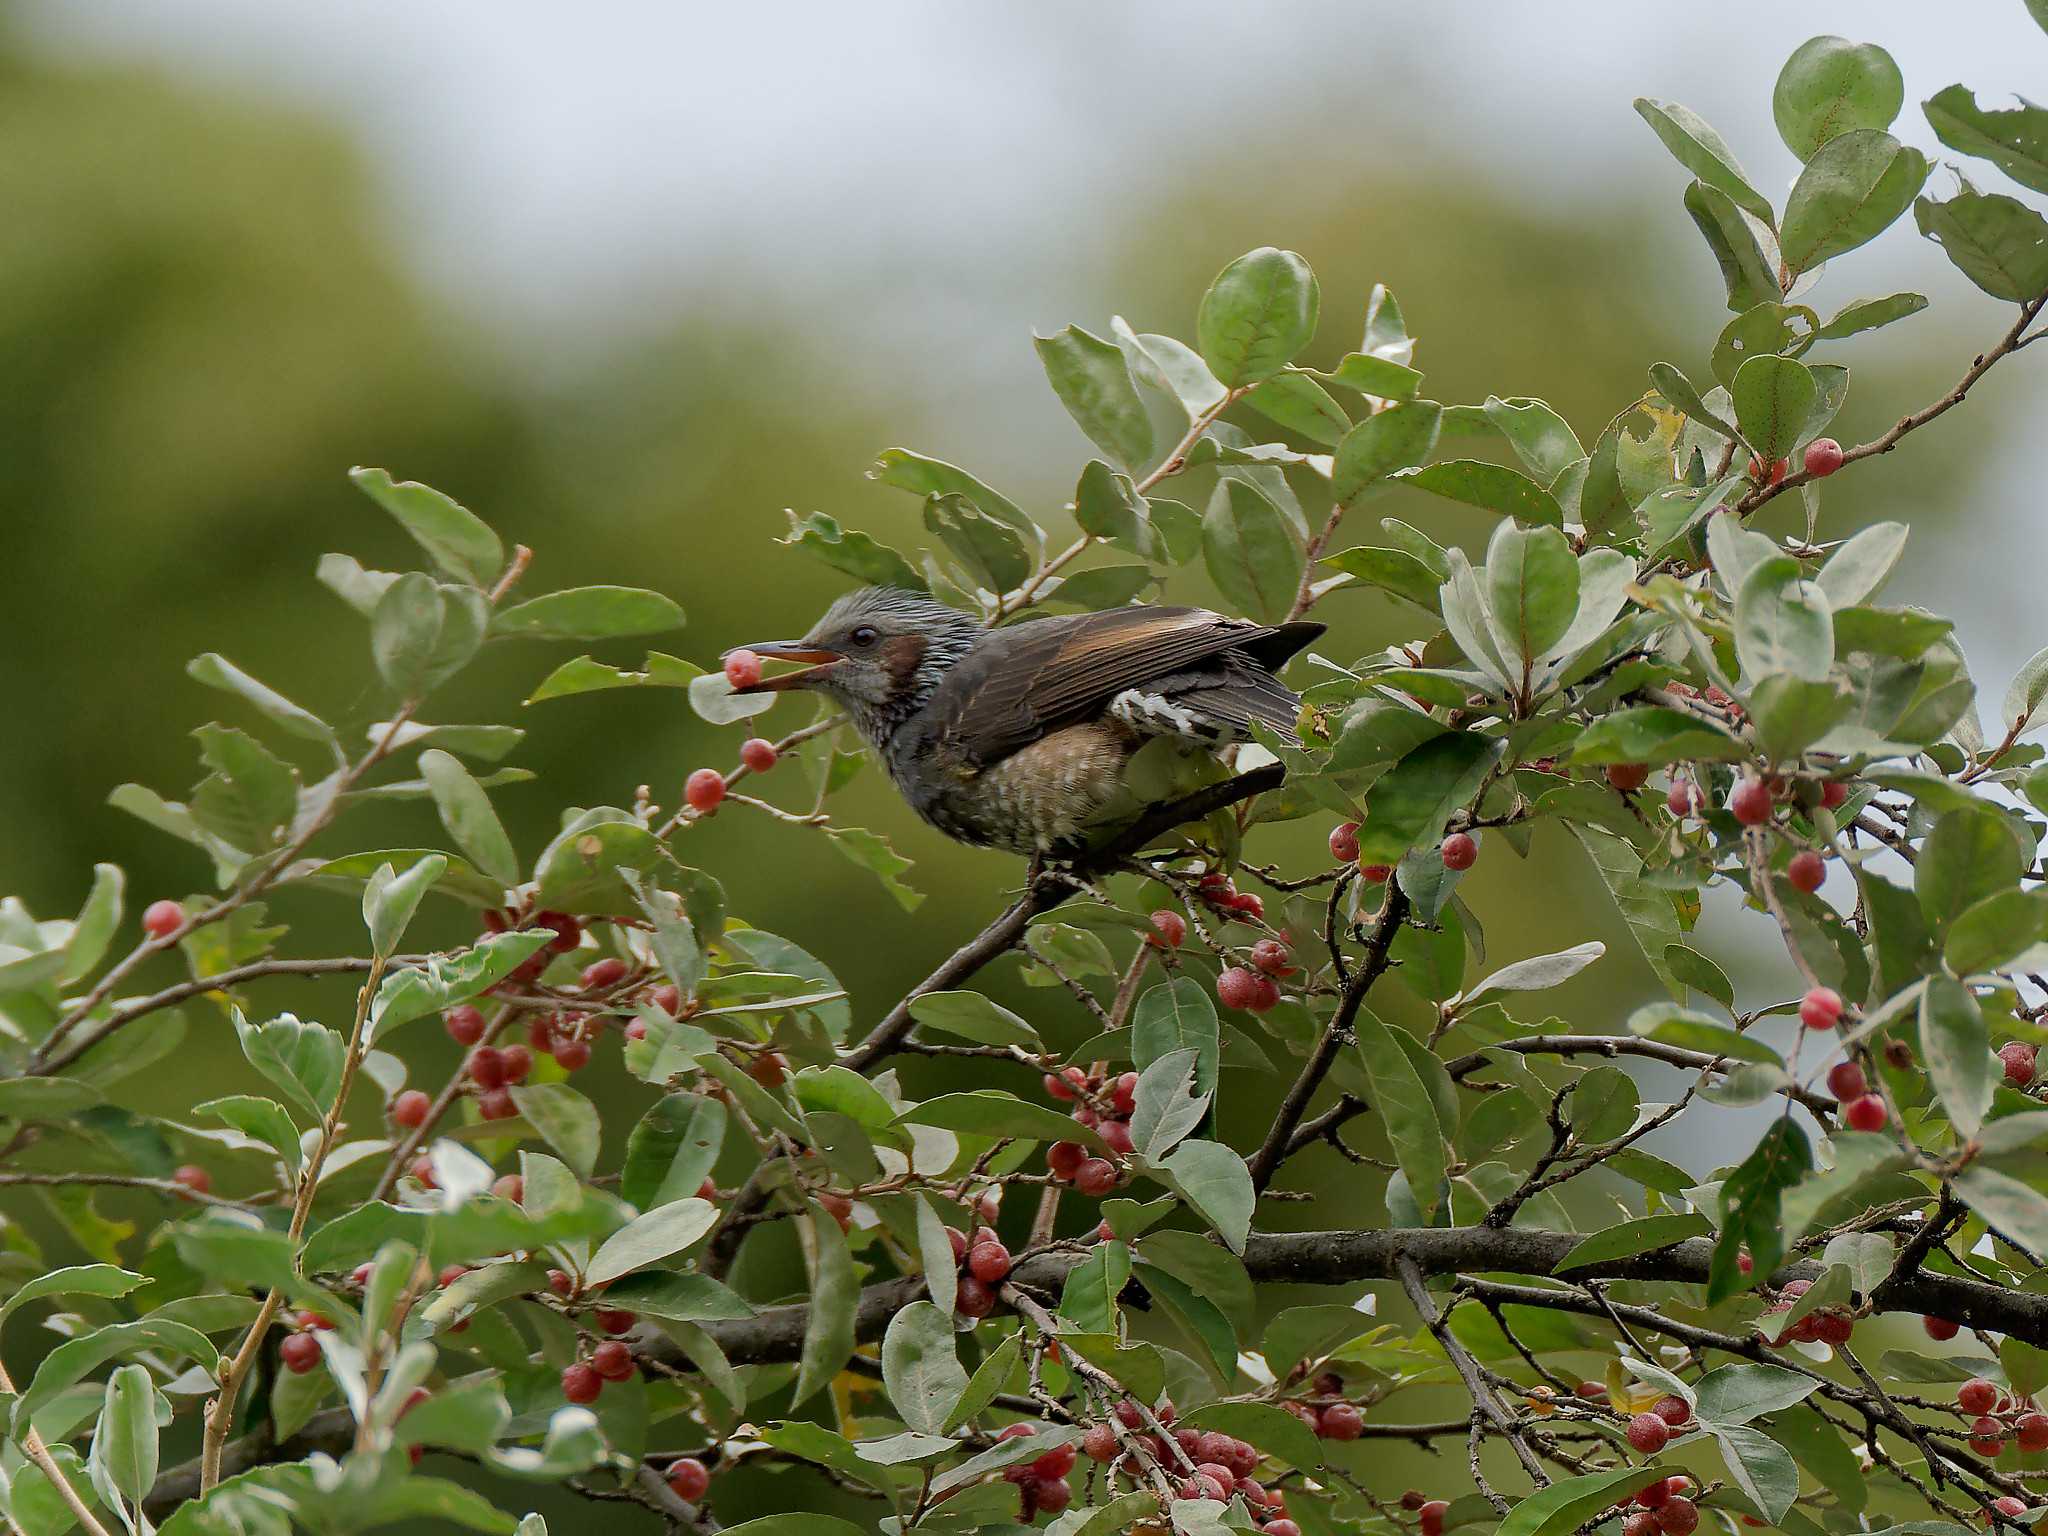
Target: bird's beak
<point>820,658</point>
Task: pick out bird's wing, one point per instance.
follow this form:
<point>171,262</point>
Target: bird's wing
<point>1031,678</point>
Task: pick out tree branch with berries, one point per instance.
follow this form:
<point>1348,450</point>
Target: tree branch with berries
<point>373,1295</point>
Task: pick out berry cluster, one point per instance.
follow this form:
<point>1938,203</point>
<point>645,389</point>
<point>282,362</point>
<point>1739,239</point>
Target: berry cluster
<point>608,1360</point>
<point>1104,1106</point>
<point>1997,1418</point>
<point>1661,1506</point>
<point>984,1265</point>
<point>1211,1465</point>
<point>1823,1325</point>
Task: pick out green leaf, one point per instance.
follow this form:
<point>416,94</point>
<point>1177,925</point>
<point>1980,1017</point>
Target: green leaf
<point>218,672</point>
<point>1997,242</point>
<point>1542,439</point>
<point>1215,1182</point>
<point>1538,973</point>
<point>1494,487</point>
<point>1293,398</point>
<point>1088,1299</point>
<point>259,1118</point>
<point>1094,383</point>
<point>795,1525</point>
<point>1656,735</point>
<point>1409,804</point>
<point>467,814</point>
<point>1854,572</point>
<point>124,1445</point>
<point>1749,1207</point>
<point>2005,1203</point>
<point>685,1297</point>
<point>1855,186</point>
<point>1405,1108</point>
<point>457,540</point>
<point>97,920</point>
<point>1107,505</point>
<point>565,1119</point>
<point>1702,151</point>
<point>1969,855</point>
<point>446,980</point>
<point>1697,1032</point>
<point>423,633</point>
<point>1570,1502</point>
<point>1869,314</point>
<point>871,851</point>
<point>1258,313</point>
<point>583,675</point>
<point>1391,570</point>
<point>251,797</point>
<point>1679,391</point>
<point>1253,553</point>
<point>1831,86</point>
<point>1773,396</point>
<point>990,1112</point>
<point>1735,1394</point>
<point>302,1060</point>
<point>1401,437</point>
<point>974,1017</point>
<point>834,1294</point>
<point>989,1378</point>
<point>1624,1240</point>
<point>650,1238</point>
<point>1167,1106</point>
<point>105,1280</point>
<point>2028,688</point>
<point>589,613</point>
<point>1955,1043</point>
<point>1743,246</point>
<point>672,1149</point>
<point>75,1359</point>
<point>993,553</point>
<point>580,871</point>
<point>856,553</point>
<point>1174,1016</point>
<point>390,900</point>
<point>920,1368</point>
<point>1996,929</point>
<point>1789,714</point>
<point>1783,624</point>
<point>1377,376</point>
<point>1761,1468</point>
<point>2015,140</point>
<point>1532,590</point>
<point>933,477</point>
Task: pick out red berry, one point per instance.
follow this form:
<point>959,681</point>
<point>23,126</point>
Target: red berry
<point>608,972</point>
<point>422,1171</point>
<point>704,789</point>
<point>1832,1327</point>
<point>768,1068</point>
<point>687,1476</point>
<point>1672,1409</point>
<point>1940,1329</point>
<point>1821,1008</point>
<point>581,1384</point>
<point>1252,909</point>
<point>1066,1085</point>
<point>1049,1495</point>
<point>612,1360</point>
<point>571,1055</point>
<point>561,1282</point>
<point>2032,1432</point>
<point>1344,842</point>
<point>1977,1395</point>
<point>511,1187</point>
<point>2018,1057</point>
<point>1123,1093</point>
<point>1833,793</point>
<point>2007,1506</point>
<point>486,1068</point>
<point>1772,473</point>
<point>668,998</point>
<point>410,1108</point>
<point>1683,799</point>
<point>1846,1081</point>
<point>974,1298</point>
<point>1654,1494</point>
<point>1237,987</point>
<point>465,1025</point>
<point>1750,802</point>
<point>1055,1463</point>
<point>1641,1522</point>
<point>1116,1135</point>
<point>758,754</point>
<point>1647,1433</point>
<point>1431,1517</point>
<point>1823,457</point>
<point>450,1273</point>
<point>497,1104</point>
<point>989,1263</point>
<point>1281,1527</point>
<point>1096,1176</point>
<point>1679,1517</point>
<point>1271,956</point>
<point>1062,1158</point>
<point>1103,1233</point>
<point>1806,870</point>
<point>300,1352</point>
<point>1987,1436</point>
<point>616,1319</point>
<point>568,932</point>
<point>308,1318</point>
<point>1375,874</point>
<point>1628,777</point>
<point>1169,930</point>
<point>517,1061</point>
<point>193,1177</point>
<point>1218,1474</point>
<point>1340,1421</point>
<point>1099,1443</point>
<point>1459,851</point>
<point>161,919</point>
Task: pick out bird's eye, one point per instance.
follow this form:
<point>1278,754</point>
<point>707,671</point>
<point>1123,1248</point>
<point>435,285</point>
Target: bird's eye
<point>864,634</point>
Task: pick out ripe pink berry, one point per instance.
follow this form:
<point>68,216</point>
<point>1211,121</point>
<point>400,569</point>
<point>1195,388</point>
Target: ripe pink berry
<point>1340,1421</point>
<point>1654,1494</point>
<point>1680,1517</point>
<point>1641,1522</point>
<point>1063,1158</point>
<point>1344,842</point>
<point>1987,1437</point>
<point>422,1171</point>
<point>1867,1113</point>
<point>1057,1462</point>
<point>486,1067</point>
<point>1375,874</point>
<point>1116,1135</point>
<point>2007,1506</point>
<point>300,1353</point>
<point>742,668</point>
<point>1431,1517</point>
<point>1749,802</point>
<point>581,1384</point>
<point>758,754</point>
<point>496,1104</point>
<point>1096,1176</point>
<point>1459,851</point>
<point>615,1319</point>
<point>1628,777</point>
<point>1066,1085</point>
<point>465,1025</point>
<point>517,1061</point>
<point>1940,1329</point>
<point>1806,870</point>
<point>193,1177</point>
<point>161,919</point>
<point>608,972</point>
<point>2032,1431</point>
<point>1169,930</point>
<point>1123,1093</point>
<point>1237,987</point>
<point>571,1055</point>
<point>1823,457</point>
<point>1647,1433</point>
<point>1099,1443</point>
<point>668,997</point>
<point>975,1298</point>
<point>2018,1057</point>
<point>1846,1081</point>
<point>1271,956</point>
<point>989,1263</point>
<point>1683,799</point>
<point>704,789</point>
<point>1977,1395</point>
<point>1771,473</point>
<point>1251,908</point>
<point>511,1187</point>
<point>1672,1409</point>
<point>688,1478</point>
<point>1833,793</point>
<point>1821,1008</point>
<point>410,1108</point>
<point>568,932</point>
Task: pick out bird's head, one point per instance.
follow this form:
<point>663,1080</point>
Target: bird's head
<point>879,651</point>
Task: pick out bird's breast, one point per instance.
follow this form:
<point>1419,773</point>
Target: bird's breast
<point>1036,797</point>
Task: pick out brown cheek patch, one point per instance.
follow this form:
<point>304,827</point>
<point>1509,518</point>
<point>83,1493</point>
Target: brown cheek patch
<point>902,655</point>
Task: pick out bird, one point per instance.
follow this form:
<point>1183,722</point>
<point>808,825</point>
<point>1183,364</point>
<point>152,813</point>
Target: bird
<point>1015,737</point>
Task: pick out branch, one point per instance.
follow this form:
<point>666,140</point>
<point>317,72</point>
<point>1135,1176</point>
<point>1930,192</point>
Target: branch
<point>1483,1400</point>
<point>1622,1045</point>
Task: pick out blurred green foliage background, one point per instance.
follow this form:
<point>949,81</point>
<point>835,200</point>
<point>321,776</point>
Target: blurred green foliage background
<point>205,319</point>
